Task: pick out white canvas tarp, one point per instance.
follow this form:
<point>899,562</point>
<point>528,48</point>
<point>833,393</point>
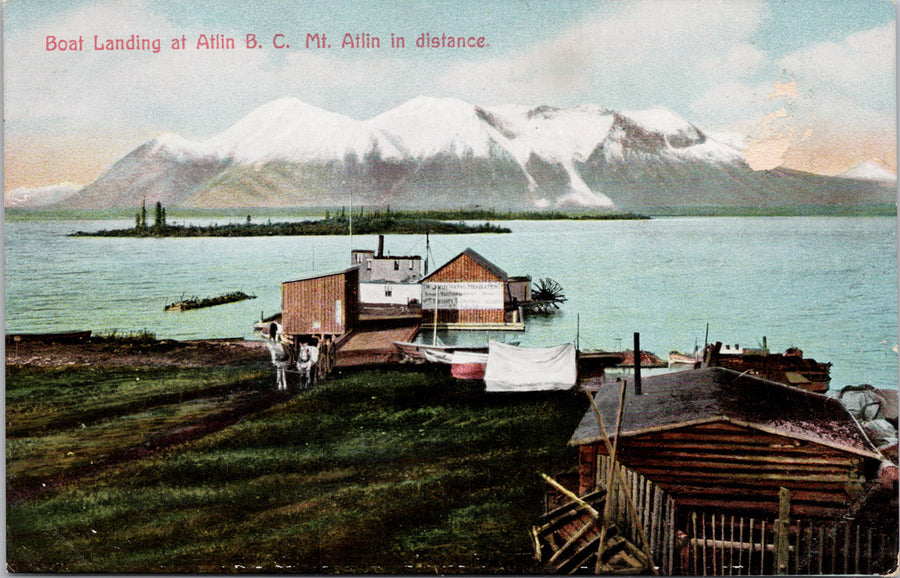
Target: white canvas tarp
<point>511,368</point>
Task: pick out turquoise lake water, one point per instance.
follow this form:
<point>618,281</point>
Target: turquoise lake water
<point>825,284</point>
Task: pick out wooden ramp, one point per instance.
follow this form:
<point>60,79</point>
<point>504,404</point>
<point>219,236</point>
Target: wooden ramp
<point>372,342</point>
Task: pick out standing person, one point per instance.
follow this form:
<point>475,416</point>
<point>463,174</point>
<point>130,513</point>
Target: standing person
<point>279,357</point>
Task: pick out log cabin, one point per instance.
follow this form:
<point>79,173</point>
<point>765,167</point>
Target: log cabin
<point>715,438</point>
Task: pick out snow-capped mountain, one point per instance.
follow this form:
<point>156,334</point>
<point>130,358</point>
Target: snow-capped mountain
<point>39,197</point>
<point>443,152</point>
<point>870,171</point>
<point>291,130</point>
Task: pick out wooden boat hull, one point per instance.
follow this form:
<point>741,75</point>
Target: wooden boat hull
<point>789,368</point>
<point>416,351</point>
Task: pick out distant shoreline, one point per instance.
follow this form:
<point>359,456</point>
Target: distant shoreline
<point>363,222</point>
<point>379,223</point>
<point>260,213</point>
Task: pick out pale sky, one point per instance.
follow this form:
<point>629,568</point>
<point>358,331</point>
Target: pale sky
<point>816,77</point>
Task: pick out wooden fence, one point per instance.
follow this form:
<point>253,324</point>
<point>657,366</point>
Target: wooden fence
<point>712,543</point>
<point>722,545</point>
<point>652,519</point>
<point>728,545</point>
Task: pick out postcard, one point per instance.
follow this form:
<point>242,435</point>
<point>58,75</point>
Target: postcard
<point>402,287</point>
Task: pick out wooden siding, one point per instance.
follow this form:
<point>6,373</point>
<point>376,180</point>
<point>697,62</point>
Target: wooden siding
<point>466,269</point>
<point>463,268</point>
<point>726,466</point>
<point>326,305</point>
<point>465,316</point>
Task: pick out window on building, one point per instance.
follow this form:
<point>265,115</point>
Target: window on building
<point>388,291</point>
<point>396,265</point>
<point>369,265</point>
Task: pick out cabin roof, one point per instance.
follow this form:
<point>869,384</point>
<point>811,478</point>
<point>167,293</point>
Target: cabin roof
<point>320,275</point>
<point>481,261</point>
<point>686,398</point>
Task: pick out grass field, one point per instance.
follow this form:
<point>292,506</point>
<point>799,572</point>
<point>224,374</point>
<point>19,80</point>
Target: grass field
<point>370,472</point>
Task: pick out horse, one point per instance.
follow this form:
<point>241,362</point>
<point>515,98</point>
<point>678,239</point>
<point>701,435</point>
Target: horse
<point>280,361</point>
<point>307,358</point>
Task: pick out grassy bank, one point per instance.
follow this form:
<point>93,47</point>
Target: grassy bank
<point>62,420</point>
<point>369,472</point>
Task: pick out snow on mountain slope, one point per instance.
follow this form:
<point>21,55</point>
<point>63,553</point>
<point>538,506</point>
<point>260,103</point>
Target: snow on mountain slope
<point>660,133</point>
<point>179,148</point>
<point>429,127</point>
<point>39,197</point>
<point>870,171</point>
<point>288,129</point>
<point>446,152</point>
<point>556,134</point>
<point>558,137</point>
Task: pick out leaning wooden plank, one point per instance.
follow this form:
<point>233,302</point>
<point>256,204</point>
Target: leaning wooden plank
<point>611,452</point>
<point>536,543</point>
<point>567,549</point>
<point>572,496</point>
<point>579,559</point>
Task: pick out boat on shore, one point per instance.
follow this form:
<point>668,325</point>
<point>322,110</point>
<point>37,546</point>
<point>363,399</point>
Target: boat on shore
<point>59,337</point>
<point>198,303</point>
<point>789,368</point>
<point>418,352</point>
<point>677,358</point>
<point>463,364</point>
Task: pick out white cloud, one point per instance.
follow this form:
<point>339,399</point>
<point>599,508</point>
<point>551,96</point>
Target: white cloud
<point>198,92</point>
<point>862,67</point>
<point>826,89</point>
<point>647,51</point>
<point>696,57</point>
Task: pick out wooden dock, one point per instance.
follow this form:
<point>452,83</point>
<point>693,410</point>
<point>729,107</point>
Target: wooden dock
<point>372,342</point>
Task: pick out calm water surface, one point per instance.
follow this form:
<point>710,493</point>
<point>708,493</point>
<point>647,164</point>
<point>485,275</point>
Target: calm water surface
<point>827,285</point>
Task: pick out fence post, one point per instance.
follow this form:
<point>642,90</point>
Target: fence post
<point>783,532</point>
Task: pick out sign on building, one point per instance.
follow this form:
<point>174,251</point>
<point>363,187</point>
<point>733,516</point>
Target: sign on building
<point>460,296</point>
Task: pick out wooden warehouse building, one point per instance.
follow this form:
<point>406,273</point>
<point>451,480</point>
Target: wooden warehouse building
<point>470,292</point>
<point>325,310</point>
<point>718,439</point>
<point>322,305</point>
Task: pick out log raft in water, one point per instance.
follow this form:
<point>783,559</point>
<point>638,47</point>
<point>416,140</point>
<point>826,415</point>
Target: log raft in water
<point>197,303</point>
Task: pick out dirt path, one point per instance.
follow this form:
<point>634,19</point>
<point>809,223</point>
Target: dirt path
<point>205,353</point>
<point>255,403</point>
<point>36,352</point>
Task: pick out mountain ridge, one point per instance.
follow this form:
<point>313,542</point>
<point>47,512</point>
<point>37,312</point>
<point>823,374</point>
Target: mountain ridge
<point>447,153</point>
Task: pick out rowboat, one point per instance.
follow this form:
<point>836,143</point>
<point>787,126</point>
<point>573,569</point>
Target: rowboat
<point>416,352</point>
<point>678,358</point>
<point>463,364</point>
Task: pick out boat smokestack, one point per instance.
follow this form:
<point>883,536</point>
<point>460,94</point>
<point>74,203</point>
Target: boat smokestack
<point>637,363</point>
<point>381,245</point>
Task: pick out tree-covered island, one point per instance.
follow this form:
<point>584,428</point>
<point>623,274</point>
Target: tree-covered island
<point>341,223</point>
<point>362,222</point>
